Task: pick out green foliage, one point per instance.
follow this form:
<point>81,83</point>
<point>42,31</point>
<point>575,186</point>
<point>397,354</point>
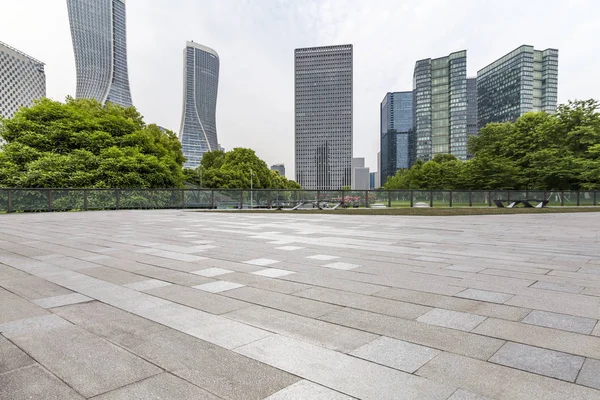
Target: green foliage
<point>231,170</point>
<point>538,151</point>
<point>82,144</point>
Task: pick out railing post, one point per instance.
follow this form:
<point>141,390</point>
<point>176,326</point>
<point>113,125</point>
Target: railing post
<point>431,198</point>
<point>450,200</point>
<point>85,199</point>
<point>182,198</point>
<point>595,198</point>
<point>411,199</point>
<point>545,195</point>
<point>9,201</point>
<point>366,198</point>
<point>470,198</point>
<point>117,198</point>
<point>562,198</point>
<point>343,198</point>
<point>49,200</point>
<point>212,199</point>
<point>489,199</point>
<point>269,198</point>
<point>241,199</point>
<point>389,199</point>
<point>508,196</point>
<point>578,199</point>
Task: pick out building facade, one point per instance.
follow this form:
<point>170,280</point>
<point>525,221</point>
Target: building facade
<point>323,120</point>
<point>198,133</point>
<point>22,80</point>
<point>440,106</point>
<point>522,81</point>
<point>279,168</point>
<point>98,30</point>
<point>396,123</point>
<point>472,128</point>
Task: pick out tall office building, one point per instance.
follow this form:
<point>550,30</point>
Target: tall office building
<point>198,133</point>
<point>279,168</point>
<point>22,80</point>
<point>323,121</point>
<point>472,107</point>
<point>396,122</point>
<point>524,80</point>
<point>440,101</point>
<point>98,29</point>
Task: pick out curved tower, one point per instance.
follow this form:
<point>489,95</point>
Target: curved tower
<point>198,133</point>
<point>98,29</point>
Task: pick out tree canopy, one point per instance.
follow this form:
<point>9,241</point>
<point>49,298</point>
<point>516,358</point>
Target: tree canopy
<point>80,143</point>
<point>232,169</point>
<point>538,151</point>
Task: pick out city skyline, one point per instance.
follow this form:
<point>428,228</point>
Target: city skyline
<point>267,36</point>
<point>99,34</point>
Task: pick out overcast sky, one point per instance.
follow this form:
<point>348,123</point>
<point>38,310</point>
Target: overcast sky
<point>255,40</point>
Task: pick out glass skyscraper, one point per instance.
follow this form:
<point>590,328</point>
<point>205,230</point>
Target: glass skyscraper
<point>440,101</point>
<point>323,121</point>
<point>198,133</point>
<point>524,80</point>
<point>396,131</point>
<point>472,107</point>
<point>98,29</point>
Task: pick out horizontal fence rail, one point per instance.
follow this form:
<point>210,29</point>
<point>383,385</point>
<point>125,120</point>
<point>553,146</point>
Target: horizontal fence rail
<point>40,200</point>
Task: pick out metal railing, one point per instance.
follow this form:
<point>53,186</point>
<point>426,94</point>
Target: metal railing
<point>38,200</point>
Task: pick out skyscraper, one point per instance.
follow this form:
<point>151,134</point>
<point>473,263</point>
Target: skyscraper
<point>323,128</point>
<point>279,168</point>
<point>524,80</point>
<point>440,101</point>
<point>198,133</point>
<point>98,29</point>
<point>22,80</point>
<point>472,107</point>
<point>396,128</point>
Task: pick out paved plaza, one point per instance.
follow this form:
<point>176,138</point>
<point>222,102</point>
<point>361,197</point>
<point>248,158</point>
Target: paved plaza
<point>197,305</point>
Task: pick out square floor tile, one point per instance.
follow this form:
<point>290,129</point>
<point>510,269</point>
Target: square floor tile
<point>289,248</point>
<point>396,354</point>
<point>590,374</point>
<point>323,257</point>
<point>451,319</point>
<point>211,272</point>
<point>539,361</point>
<point>341,265</point>
<point>485,295</point>
<point>218,286</point>
<point>147,285</point>
<point>561,321</point>
<point>262,262</point>
<point>273,272</point>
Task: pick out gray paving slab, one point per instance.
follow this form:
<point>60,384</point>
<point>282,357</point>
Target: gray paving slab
<point>596,331</point>
<point>451,319</point>
<point>344,373</point>
<point>341,265</point>
<point>159,387</point>
<point>557,287</point>
<point>590,374</point>
<point>63,300</point>
<point>307,390</point>
<point>289,248</point>
<point>198,299</point>
<point>397,354</point>
<point>147,285</point>
<point>262,262</point>
<point>273,272</point>
<point>15,308</point>
<point>485,295</point>
<point>218,286</point>
<point>212,272</point>
<point>33,324</point>
<point>540,361</point>
<point>11,357</point>
<point>85,362</point>
<point>561,321</point>
<point>32,287</point>
<point>322,257</point>
<point>464,395</point>
<point>224,373</point>
<point>34,383</point>
<point>113,275</point>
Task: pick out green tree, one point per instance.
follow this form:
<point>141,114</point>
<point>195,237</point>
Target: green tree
<point>80,143</point>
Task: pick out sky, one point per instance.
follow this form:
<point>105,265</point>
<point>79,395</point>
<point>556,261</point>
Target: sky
<point>256,39</point>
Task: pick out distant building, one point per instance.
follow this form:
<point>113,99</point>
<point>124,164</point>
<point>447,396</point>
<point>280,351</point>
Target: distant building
<point>22,80</point>
<point>323,120</point>
<point>440,102</point>
<point>279,168</point>
<point>396,122</point>
<point>361,176</point>
<point>99,33</point>
<point>522,81</point>
<point>372,180</point>
<point>471,108</point>
<point>198,132</point>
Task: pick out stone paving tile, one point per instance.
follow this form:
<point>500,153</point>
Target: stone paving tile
<point>34,383</point>
<point>33,288</point>
<point>147,285</point>
<point>540,361</point>
<point>583,306</point>
<point>451,319</point>
<point>218,286</point>
<point>561,321</point>
<point>289,248</point>
<point>33,324</point>
<point>500,382</point>
<point>484,295</point>
<point>262,262</point>
<point>85,362</point>
<point>465,268</point>
<point>341,372</point>
<point>596,331</point>
<point>557,287</point>
<point>307,390</point>
<point>324,334</point>
<point>397,354</point>
<point>158,387</point>
<point>113,275</point>
<point>64,300</point>
<point>15,308</point>
<point>323,257</point>
<point>464,395</point>
<point>590,374</point>
<point>198,299</point>
<point>273,285</point>
<point>212,272</point>
<point>11,357</point>
<point>436,337</point>
<point>273,272</point>
<point>342,266</point>
<point>224,373</point>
